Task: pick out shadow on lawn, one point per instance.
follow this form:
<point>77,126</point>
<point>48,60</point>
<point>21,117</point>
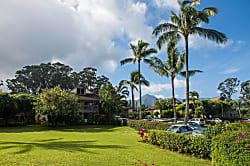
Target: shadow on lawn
<point>68,146</point>
<point>38,128</point>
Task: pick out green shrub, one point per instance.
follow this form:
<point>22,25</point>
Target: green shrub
<point>231,148</point>
<point>197,146</point>
<point>142,124</point>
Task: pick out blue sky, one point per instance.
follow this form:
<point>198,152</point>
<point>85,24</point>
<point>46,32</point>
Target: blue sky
<point>97,33</point>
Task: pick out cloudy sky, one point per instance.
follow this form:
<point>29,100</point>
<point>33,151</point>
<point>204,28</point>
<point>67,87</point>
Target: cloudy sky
<point>97,33</point>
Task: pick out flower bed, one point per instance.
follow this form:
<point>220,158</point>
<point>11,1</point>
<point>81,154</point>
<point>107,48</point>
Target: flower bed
<point>231,148</point>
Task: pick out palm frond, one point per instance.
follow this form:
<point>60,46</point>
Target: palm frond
<point>210,11</point>
<point>127,60</point>
<point>190,73</point>
<point>165,37</point>
<point>180,62</point>
<point>195,3</point>
<point>210,34</point>
<point>149,52</point>
<point>164,28</point>
<point>175,19</point>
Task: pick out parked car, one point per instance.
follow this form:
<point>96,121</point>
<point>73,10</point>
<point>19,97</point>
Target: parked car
<point>213,121</point>
<point>159,120</point>
<point>199,121</point>
<point>180,128</point>
<point>195,126</point>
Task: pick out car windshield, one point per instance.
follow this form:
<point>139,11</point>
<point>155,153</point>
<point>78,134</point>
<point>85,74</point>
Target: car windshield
<point>193,124</point>
<point>173,128</point>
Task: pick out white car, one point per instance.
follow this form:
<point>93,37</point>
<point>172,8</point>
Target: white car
<point>199,121</point>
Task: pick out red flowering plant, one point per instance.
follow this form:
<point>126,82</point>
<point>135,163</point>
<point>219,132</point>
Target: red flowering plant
<point>139,162</point>
<point>142,133</point>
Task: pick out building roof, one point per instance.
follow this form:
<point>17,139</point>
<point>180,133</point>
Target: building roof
<point>219,98</point>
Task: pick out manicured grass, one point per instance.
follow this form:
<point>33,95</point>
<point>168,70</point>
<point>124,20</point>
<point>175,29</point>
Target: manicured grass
<point>83,145</point>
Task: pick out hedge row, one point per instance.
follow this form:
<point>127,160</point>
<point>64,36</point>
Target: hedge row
<point>142,124</point>
<point>231,148</point>
<point>197,146</point>
<point>230,143</point>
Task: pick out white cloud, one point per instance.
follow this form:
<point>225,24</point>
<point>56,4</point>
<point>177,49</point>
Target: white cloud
<point>154,88</point>
<point>160,96</point>
<point>77,32</point>
<point>230,71</point>
<point>170,4</point>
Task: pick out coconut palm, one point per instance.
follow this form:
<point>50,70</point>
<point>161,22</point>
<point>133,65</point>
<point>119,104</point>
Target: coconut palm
<point>140,52</point>
<point>171,67</point>
<point>132,83</point>
<point>185,24</point>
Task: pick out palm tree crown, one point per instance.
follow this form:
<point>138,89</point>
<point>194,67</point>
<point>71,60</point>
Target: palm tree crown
<point>134,79</point>
<point>188,23</point>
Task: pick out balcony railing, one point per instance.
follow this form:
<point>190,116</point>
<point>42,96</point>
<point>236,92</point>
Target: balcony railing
<point>90,107</point>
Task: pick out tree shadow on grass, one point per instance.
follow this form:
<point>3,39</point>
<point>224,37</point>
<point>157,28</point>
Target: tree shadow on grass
<point>68,146</point>
<point>38,128</point>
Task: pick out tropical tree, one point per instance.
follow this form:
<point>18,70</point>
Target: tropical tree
<point>245,90</point>
<point>228,87</point>
<point>171,67</point>
<point>59,106</point>
<point>194,96</point>
<point>134,79</point>
<point>140,52</point>
<point>185,24</point>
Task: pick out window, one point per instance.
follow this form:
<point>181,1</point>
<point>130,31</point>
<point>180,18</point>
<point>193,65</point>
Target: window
<point>80,91</point>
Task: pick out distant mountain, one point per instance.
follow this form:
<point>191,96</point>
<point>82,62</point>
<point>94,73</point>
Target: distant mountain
<point>148,100</point>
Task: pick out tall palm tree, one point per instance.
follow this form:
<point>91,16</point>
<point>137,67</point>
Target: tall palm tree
<point>171,67</point>
<point>194,95</point>
<point>140,52</point>
<point>134,79</point>
<point>185,24</point>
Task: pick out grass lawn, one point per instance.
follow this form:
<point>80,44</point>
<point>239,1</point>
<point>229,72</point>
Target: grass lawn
<point>95,145</point>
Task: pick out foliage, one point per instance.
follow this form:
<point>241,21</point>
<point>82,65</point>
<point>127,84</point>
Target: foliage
<point>231,148</point>
<point>134,79</point>
<point>32,79</point>
<point>111,102</point>
<point>8,107</point>
<point>219,128</point>
<point>25,104</point>
<point>59,106</point>
<point>245,90</point>
<point>228,87</point>
<point>90,78</point>
<point>197,146</point>
<point>141,124</point>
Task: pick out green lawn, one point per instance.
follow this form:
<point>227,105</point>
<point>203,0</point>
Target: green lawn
<point>34,145</point>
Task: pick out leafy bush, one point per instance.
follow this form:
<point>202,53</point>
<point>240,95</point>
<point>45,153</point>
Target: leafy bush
<point>219,128</point>
<point>59,106</point>
<point>197,146</point>
<point>231,148</point>
<point>141,124</point>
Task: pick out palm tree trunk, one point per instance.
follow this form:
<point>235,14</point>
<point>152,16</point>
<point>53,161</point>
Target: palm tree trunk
<point>175,115</point>
<point>187,82</point>
<point>133,99</point>
<point>139,77</point>
<point>239,110</point>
